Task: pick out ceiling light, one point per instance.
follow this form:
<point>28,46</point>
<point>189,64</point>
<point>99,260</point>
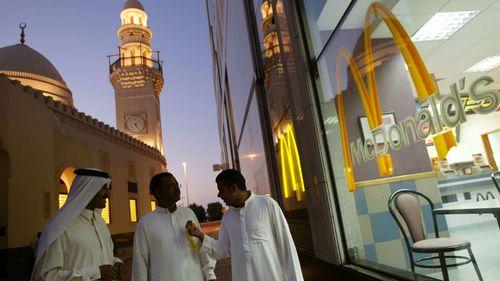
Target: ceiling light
<point>484,65</point>
<point>443,25</point>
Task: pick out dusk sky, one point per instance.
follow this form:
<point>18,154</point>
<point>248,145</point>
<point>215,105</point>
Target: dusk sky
<point>76,36</point>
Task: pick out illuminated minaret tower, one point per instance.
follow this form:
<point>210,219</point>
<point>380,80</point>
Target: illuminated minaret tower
<point>275,32</point>
<point>137,77</point>
<point>273,66</point>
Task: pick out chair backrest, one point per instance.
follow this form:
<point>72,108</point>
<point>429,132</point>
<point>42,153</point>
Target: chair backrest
<point>406,203</point>
<point>409,208</point>
<point>495,177</point>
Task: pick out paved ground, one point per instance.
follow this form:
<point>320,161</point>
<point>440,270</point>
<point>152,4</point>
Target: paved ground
<point>313,269</point>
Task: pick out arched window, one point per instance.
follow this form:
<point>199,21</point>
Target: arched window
<point>65,182</point>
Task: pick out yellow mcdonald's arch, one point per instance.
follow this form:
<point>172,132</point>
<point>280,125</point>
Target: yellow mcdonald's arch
<point>421,78</point>
<point>291,170</point>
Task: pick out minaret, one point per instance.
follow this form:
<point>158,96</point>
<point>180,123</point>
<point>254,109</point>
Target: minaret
<point>275,81</point>
<point>273,66</point>
<point>137,77</point>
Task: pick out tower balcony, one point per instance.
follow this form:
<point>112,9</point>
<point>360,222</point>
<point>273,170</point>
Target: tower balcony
<point>116,62</point>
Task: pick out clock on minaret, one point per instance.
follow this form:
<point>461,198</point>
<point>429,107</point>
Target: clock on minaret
<point>136,123</point>
<point>136,74</point>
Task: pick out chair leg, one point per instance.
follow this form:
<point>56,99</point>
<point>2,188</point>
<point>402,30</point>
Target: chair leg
<point>473,259</point>
<point>444,269</point>
<point>414,272</point>
<point>412,263</point>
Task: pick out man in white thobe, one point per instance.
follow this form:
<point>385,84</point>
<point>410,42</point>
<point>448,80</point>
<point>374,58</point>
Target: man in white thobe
<point>253,232</point>
<point>162,250</point>
<point>76,243</point>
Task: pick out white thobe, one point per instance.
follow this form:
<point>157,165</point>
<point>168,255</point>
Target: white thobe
<point>162,251</point>
<point>80,250</point>
<point>258,239</point>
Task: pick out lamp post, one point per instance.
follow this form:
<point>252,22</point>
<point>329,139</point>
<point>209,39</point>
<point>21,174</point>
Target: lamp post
<point>186,182</point>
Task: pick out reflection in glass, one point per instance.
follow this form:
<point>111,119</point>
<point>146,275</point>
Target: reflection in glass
<point>460,65</point>
<point>279,70</point>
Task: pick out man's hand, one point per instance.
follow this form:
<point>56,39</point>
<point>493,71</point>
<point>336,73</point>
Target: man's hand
<point>118,266</point>
<point>109,273</point>
<point>193,230</point>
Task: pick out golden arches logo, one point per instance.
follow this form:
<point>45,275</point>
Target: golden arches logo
<point>421,78</point>
<point>291,171</point>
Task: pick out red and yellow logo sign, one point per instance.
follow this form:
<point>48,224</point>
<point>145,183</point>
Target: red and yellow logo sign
<point>422,80</point>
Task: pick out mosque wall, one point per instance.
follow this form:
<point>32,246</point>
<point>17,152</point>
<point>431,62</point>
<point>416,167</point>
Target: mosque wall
<point>4,181</point>
<point>4,175</point>
<point>79,146</point>
<point>30,145</point>
<point>43,138</point>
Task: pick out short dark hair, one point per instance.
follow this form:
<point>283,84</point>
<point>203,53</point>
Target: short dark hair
<point>156,181</point>
<point>230,177</point>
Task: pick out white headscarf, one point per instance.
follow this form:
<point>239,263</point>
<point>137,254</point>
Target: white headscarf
<point>83,189</point>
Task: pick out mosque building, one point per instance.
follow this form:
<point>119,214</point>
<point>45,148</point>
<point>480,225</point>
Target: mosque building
<point>44,138</point>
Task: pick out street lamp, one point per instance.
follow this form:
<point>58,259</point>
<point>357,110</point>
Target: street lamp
<point>186,182</point>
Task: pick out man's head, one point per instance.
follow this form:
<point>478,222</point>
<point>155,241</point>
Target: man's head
<point>165,188</point>
<point>99,199</point>
<point>232,187</point>
<point>89,190</point>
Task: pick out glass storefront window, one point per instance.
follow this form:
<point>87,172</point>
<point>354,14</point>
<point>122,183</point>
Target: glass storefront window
<point>409,93</point>
<point>279,80</point>
<point>274,72</point>
<point>323,16</point>
<point>252,154</point>
<point>238,63</point>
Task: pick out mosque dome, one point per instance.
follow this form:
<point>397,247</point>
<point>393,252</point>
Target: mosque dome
<point>20,62</point>
<point>133,4</point>
<point>22,58</point>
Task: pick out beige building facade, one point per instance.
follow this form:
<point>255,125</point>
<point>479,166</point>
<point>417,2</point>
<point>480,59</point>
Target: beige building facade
<point>44,138</point>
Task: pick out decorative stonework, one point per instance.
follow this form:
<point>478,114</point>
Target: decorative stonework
<point>136,77</point>
<point>132,30</point>
<point>32,76</point>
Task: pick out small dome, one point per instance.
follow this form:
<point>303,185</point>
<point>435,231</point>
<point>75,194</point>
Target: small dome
<point>133,4</point>
<point>24,59</point>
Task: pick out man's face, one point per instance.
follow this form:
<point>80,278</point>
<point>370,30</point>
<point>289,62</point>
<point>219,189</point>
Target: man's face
<point>226,193</point>
<point>99,200</point>
<point>168,191</point>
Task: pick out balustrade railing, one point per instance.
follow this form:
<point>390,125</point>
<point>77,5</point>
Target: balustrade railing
<point>134,60</point>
